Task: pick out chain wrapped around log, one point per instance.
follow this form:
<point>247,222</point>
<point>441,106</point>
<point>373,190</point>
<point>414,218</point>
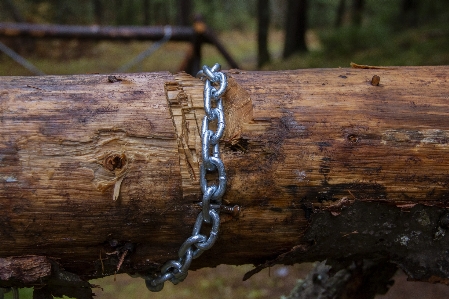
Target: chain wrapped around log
<point>321,164</point>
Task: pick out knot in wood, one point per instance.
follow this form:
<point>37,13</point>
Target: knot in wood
<point>375,80</point>
<point>114,161</point>
<point>352,138</point>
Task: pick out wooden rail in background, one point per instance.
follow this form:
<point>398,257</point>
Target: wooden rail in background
<point>197,35</point>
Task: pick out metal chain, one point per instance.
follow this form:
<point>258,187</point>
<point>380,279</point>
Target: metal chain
<point>176,270</point>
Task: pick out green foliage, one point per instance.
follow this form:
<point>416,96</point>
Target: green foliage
<point>54,11</point>
<point>72,12</point>
<point>322,13</point>
<point>346,40</point>
<point>24,293</point>
<point>379,46</point>
<point>387,36</point>
<point>227,15</point>
<point>220,15</point>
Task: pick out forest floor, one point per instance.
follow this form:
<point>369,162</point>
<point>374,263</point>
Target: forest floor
<point>225,282</point>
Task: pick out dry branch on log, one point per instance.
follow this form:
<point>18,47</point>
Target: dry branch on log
<point>323,164</point>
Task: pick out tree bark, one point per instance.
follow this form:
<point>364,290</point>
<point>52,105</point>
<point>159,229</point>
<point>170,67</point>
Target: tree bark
<point>323,164</point>
<point>296,27</point>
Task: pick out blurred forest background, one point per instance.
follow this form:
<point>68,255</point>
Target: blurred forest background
<point>259,34</point>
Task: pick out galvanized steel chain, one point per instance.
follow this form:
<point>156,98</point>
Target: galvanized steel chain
<point>176,270</point>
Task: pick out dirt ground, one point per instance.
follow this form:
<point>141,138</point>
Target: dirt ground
<point>226,282</point>
<point>403,289</point>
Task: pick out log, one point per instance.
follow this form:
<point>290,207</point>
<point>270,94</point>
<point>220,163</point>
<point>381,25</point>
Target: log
<point>323,163</point>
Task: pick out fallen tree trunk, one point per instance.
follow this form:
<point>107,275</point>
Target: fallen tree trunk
<point>323,163</point>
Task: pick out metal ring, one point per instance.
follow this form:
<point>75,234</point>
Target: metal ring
<point>189,242</point>
<point>205,154</point>
<point>216,93</point>
<point>215,138</point>
<point>216,68</point>
<point>209,74</point>
<point>171,264</point>
<point>207,99</point>
<point>210,190</point>
<point>205,125</point>
<point>203,181</point>
<point>220,189</point>
<point>205,148</point>
<point>157,284</point>
<point>154,288</point>
<point>196,231</point>
<point>216,150</point>
<point>187,261</point>
<point>214,231</point>
<point>221,178</point>
<point>197,253</point>
<point>200,75</point>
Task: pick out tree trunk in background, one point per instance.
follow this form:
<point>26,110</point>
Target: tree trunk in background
<point>160,13</point>
<point>295,28</point>
<point>324,164</point>
<point>263,21</point>
<point>15,12</point>
<point>98,11</point>
<point>126,12</point>
<point>340,13</point>
<point>409,12</point>
<point>119,7</point>
<point>357,12</point>
<point>146,12</point>
<point>185,12</point>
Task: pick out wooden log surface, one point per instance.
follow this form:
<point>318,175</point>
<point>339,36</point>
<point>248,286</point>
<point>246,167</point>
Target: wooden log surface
<point>324,163</point>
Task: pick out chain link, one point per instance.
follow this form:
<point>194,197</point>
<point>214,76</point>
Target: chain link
<point>176,270</point>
